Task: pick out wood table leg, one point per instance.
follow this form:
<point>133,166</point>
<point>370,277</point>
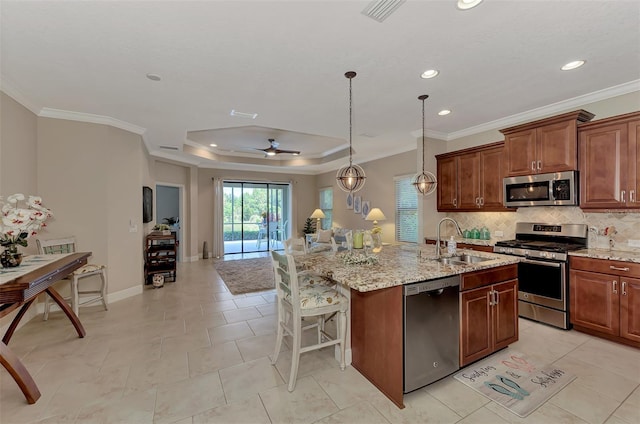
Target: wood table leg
<point>16,320</point>
<point>67,310</point>
<point>10,361</point>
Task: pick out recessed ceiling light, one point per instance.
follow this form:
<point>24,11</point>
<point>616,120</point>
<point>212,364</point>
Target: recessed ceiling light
<point>213,145</point>
<point>573,65</point>
<point>444,112</point>
<point>271,153</point>
<point>468,4</point>
<point>429,73</point>
<point>154,77</point>
<point>243,114</point>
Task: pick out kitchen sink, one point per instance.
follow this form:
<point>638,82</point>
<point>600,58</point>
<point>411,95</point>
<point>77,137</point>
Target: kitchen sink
<point>462,260</point>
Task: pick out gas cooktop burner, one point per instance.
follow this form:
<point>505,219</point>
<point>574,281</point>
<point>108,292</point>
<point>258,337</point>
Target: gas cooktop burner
<point>544,241</point>
<point>546,246</point>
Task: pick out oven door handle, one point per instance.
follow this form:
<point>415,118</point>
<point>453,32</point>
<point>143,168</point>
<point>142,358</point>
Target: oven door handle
<point>549,264</point>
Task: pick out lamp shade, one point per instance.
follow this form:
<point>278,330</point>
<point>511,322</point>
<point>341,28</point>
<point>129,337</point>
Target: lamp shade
<point>375,215</point>
<point>318,214</point>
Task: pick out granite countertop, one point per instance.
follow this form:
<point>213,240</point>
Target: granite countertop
<point>614,255</point>
<point>397,265</point>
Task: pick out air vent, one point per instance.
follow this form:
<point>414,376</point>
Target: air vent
<point>169,147</point>
<point>381,9</point>
<point>243,114</point>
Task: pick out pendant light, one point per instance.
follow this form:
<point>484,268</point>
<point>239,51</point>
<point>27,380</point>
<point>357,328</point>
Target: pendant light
<point>425,183</point>
<point>350,178</point>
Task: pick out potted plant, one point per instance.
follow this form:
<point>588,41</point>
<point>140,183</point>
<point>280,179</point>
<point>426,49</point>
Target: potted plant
<point>309,226</point>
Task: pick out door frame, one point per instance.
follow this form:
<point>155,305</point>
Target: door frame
<point>181,212</point>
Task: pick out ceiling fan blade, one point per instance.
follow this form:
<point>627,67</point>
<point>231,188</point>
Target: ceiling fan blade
<point>292,152</point>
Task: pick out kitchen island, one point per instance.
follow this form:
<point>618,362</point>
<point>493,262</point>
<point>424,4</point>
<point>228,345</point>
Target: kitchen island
<point>377,315</point>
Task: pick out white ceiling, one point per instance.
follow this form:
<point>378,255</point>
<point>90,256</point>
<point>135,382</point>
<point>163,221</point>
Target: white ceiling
<point>286,60</point>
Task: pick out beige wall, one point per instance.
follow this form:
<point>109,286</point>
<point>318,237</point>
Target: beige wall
<point>90,177</point>
<point>379,190</point>
<point>18,145</point>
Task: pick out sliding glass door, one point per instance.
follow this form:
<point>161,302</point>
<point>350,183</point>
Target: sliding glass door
<point>256,216</point>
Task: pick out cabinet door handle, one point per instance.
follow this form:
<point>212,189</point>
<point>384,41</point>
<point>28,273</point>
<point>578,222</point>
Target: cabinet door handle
<point>482,201</point>
<point>623,195</point>
<point>539,165</point>
<point>533,165</point>
<point>477,201</point>
<point>624,288</point>
<point>490,297</point>
<point>618,268</point>
<point>455,202</point>
<point>496,298</point>
<point>632,196</point>
<point>615,287</point>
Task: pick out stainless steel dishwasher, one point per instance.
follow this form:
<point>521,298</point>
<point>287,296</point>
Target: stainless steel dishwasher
<point>431,331</point>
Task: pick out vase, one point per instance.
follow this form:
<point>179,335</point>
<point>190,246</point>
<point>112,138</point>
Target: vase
<point>376,242</point>
<point>10,257</point>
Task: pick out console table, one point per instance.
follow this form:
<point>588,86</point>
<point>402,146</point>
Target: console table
<point>21,292</point>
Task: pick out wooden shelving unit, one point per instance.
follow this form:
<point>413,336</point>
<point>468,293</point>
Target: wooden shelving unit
<point>160,254</point>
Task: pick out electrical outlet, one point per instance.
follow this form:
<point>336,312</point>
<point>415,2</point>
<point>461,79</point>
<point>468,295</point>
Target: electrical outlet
<point>498,233</point>
<point>634,243</point>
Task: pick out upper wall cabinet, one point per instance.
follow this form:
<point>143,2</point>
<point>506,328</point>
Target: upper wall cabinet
<point>471,179</point>
<point>610,163</point>
<point>547,145</point>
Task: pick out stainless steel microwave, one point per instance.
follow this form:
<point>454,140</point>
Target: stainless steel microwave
<point>554,189</point>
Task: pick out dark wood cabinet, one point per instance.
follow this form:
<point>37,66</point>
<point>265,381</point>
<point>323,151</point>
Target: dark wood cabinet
<point>471,179</point>
<point>543,146</point>
<point>447,189</point>
<point>605,299</point>
<point>160,255</point>
<point>610,163</point>
<point>377,339</point>
<point>488,312</point>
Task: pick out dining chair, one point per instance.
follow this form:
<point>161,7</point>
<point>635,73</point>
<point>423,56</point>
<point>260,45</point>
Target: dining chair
<point>262,233</point>
<point>295,246</point>
<point>299,299</point>
<point>68,245</point>
<point>279,233</point>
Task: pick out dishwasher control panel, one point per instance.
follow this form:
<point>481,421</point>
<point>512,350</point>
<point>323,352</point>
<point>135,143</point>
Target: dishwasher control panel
<point>431,285</point>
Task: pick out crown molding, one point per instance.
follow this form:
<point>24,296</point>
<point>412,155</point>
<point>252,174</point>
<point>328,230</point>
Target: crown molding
<point>10,89</point>
<point>91,118</point>
<point>548,110</point>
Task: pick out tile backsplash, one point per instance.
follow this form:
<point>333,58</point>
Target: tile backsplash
<point>620,227</point>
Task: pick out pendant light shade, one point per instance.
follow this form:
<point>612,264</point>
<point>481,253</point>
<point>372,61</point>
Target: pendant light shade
<point>350,178</point>
<point>425,182</point>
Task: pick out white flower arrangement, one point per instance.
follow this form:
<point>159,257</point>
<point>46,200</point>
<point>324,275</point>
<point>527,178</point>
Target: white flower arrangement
<point>18,224</point>
<point>359,259</point>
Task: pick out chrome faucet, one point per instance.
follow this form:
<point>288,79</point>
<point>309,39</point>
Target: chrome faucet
<point>446,218</point>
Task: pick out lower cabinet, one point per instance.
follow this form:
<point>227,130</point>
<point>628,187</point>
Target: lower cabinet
<point>605,299</point>
<point>488,312</point>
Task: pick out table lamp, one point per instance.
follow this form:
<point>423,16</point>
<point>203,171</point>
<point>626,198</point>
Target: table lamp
<point>375,215</point>
<point>318,214</point>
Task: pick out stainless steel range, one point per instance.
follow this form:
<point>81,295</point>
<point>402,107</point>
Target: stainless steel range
<point>543,274</point>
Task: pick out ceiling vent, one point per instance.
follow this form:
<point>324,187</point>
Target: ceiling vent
<point>169,147</point>
<point>380,10</point>
<point>243,114</point>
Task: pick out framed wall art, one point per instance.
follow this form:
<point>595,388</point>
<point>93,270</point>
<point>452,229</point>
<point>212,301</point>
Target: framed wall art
<point>366,207</point>
<point>357,204</point>
<point>349,200</point>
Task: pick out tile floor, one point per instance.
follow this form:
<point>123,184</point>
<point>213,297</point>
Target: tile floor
<point>193,353</point>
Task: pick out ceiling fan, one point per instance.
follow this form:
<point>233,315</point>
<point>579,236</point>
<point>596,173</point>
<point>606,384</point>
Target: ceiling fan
<point>273,150</point>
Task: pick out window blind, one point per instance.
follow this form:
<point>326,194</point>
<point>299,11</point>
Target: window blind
<point>406,210</point>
